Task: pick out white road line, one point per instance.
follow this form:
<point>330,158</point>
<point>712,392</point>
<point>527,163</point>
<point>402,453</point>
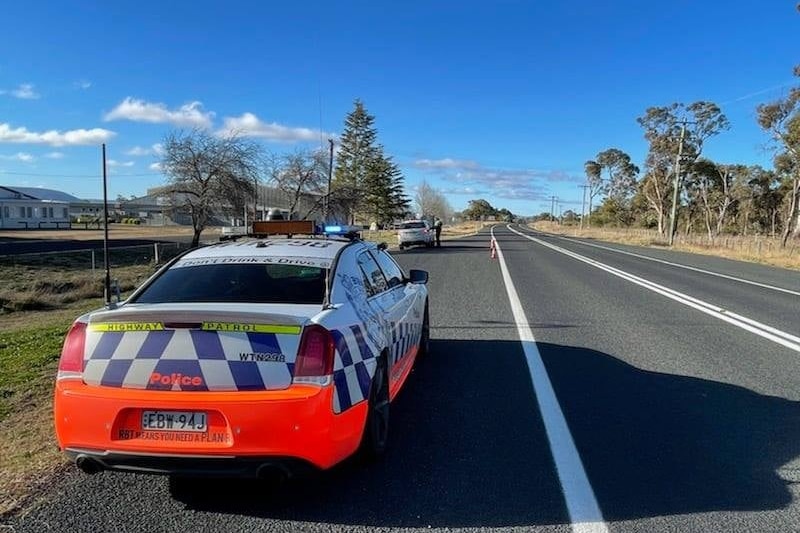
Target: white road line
<point>584,513</point>
<point>679,265</point>
<point>763,330</point>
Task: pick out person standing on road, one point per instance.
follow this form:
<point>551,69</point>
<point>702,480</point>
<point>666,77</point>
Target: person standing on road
<point>437,226</point>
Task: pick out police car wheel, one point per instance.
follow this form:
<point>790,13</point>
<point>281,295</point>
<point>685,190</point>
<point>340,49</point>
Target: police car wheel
<point>425,338</point>
<point>376,429</point>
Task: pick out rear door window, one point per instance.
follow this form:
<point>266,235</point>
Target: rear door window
<point>393,273</point>
<point>240,283</point>
<point>376,282</point>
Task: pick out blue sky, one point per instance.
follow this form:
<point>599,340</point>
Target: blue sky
<point>499,100</point>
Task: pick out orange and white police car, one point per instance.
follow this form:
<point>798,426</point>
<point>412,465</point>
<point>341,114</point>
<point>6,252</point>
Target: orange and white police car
<point>244,358</point>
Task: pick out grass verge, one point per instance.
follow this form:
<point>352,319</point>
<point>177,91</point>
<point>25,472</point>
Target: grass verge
<point>40,296</point>
<point>28,360</point>
<point>753,249</point>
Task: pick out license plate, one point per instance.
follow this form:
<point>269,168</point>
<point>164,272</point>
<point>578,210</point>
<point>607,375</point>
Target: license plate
<point>174,421</point>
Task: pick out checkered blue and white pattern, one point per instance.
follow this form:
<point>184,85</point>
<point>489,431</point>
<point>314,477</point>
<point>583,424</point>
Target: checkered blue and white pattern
<point>404,336</point>
<point>129,359</point>
<point>355,362</point>
<point>353,367</point>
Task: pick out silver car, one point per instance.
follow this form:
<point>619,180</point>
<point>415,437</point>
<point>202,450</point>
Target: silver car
<point>413,232</point>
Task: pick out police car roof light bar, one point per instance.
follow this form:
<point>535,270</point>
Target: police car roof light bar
<point>346,231</point>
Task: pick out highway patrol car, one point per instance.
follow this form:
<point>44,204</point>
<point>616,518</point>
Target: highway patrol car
<point>244,358</point>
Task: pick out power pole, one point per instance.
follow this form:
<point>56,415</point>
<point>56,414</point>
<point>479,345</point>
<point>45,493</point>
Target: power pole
<point>583,203</point>
<point>673,223</point>
<point>330,176</point>
<point>552,207</point>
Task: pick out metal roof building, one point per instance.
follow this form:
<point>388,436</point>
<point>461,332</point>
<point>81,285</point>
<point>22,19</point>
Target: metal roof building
<point>34,208</point>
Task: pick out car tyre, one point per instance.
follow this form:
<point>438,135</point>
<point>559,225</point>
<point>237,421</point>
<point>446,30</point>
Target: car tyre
<point>425,337</point>
<point>376,429</point>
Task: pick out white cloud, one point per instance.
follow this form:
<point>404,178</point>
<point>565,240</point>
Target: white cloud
<point>22,135</point>
<point>54,155</point>
<point>138,151</point>
<point>136,110</point>
<point>155,166</point>
<point>249,125</point>
<point>465,190</point>
<point>114,163</point>
<point>445,163</point>
<point>25,91</point>
<point>19,156</point>
<point>82,84</point>
<point>472,178</point>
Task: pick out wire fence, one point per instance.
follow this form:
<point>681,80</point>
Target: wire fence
<point>754,245</point>
<point>52,280</point>
<point>92,258</point>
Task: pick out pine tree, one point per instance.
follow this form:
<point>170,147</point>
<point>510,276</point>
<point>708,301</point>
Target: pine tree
<point>400,203</point>
<point>356,152</point>
<point>366,182</point>
<point>384,195</point>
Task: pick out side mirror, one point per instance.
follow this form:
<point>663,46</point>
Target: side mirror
<point>419,277</point>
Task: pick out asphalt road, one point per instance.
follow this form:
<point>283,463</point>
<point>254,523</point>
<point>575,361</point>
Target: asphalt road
<point>677,417</point>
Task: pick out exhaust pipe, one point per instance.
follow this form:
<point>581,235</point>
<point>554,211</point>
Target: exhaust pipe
<point>88,464</point>
<point>273,474</point>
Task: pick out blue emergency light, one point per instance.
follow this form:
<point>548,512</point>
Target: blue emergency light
<point>350,232</point>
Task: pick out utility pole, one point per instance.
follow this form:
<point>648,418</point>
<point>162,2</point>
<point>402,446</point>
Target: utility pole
<point>330,176</point>
<point>673,223</point>
<point>552,207</point>
<point>583,203</point>
<point>107,283</point>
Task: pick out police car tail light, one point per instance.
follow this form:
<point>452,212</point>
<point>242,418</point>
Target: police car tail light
<point>70,366</point>
<point>314,362</point>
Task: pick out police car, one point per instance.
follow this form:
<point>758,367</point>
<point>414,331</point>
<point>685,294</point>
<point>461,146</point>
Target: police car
<point>244,358</point>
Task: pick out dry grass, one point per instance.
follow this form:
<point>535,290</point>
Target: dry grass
<point>49,281</point>
<point>115,231</point>
<point>754,249</point>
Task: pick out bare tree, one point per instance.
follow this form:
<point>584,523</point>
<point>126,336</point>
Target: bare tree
<point>301,175</point>
<point>430,201</point>
<point>209,174</point>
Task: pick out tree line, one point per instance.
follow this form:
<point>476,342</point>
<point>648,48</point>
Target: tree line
<point>211,175</point>
<point>714,197</point>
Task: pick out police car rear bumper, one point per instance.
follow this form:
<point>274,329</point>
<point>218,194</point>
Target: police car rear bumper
<point>267,426</point>
<point>93,461</point>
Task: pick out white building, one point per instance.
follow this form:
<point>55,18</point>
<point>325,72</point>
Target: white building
<point>34,208</point>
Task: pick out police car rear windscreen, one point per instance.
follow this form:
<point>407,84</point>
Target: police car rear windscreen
<point>238,283</point>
